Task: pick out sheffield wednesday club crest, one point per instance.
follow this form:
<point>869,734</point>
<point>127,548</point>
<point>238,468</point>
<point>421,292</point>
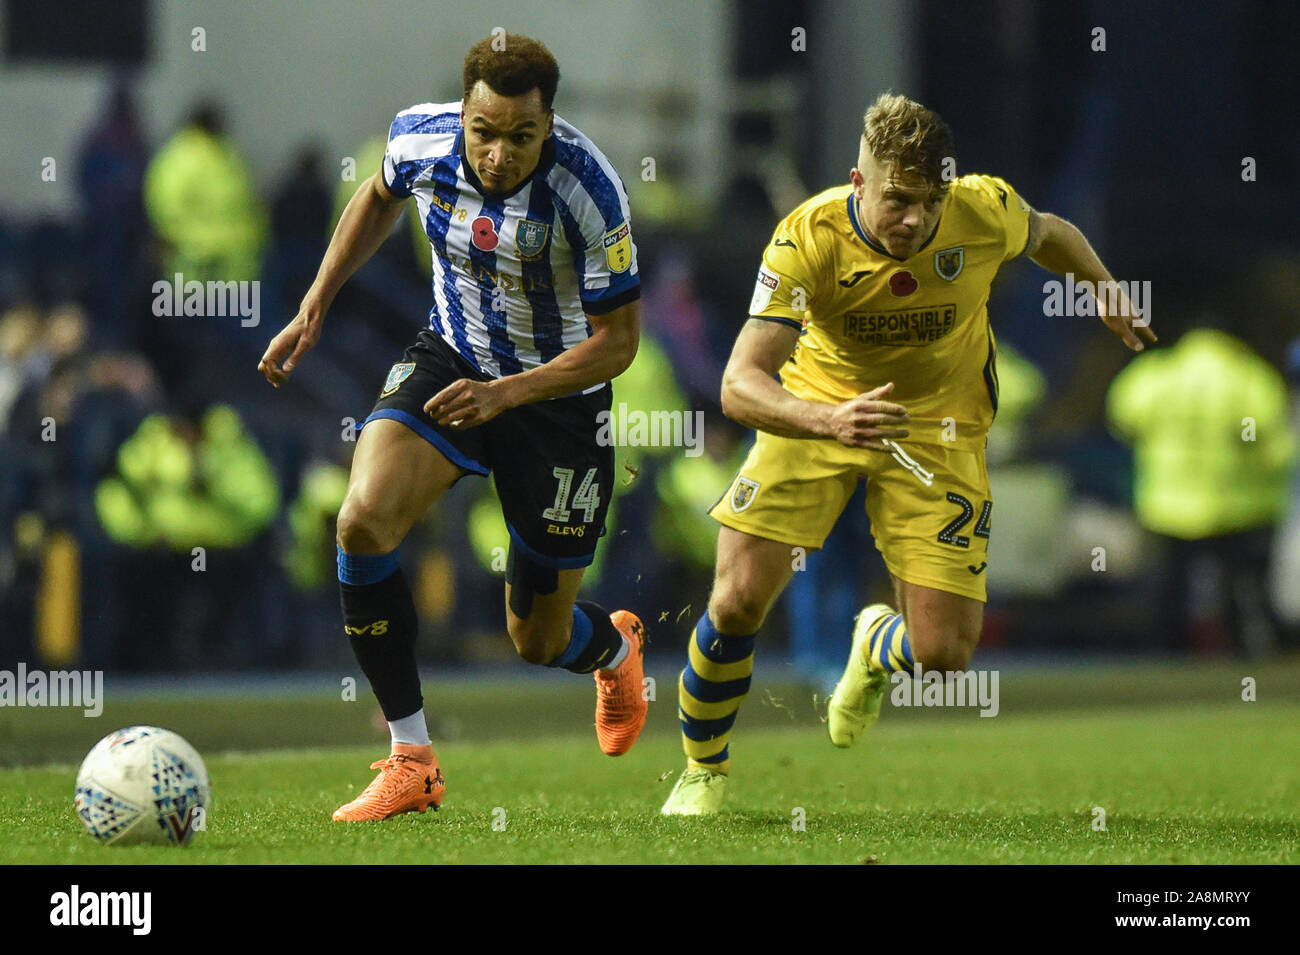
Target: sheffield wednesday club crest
<point>530,238</point>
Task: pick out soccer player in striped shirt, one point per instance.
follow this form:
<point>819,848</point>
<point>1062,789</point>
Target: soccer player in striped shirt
<point>535,310</point>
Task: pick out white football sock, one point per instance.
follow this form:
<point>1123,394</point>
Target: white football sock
<point>411,730</point>
<point>618,657</point>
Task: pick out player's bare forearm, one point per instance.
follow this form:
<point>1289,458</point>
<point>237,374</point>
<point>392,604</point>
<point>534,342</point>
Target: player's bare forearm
<point>602,357</point>
<point>366,222</point>
<point>605,355</point>
<point>752,396</point>
<point>1060,247</point>
<point>362,229</point>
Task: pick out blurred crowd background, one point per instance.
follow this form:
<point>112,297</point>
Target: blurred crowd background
<point>162,508</point>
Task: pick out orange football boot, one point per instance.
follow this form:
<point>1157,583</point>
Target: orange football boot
<point>409,781</point>
<point>620,700</point>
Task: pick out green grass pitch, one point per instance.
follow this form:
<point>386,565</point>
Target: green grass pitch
<point>1185,771</point>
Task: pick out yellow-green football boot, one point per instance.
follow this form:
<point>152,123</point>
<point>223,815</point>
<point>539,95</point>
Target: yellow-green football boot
<point>698,792</point>
<point>855,704</point>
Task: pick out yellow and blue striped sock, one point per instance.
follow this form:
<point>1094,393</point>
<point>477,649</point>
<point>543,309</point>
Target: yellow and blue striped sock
<point>887,645</point>
<point>710,691</point>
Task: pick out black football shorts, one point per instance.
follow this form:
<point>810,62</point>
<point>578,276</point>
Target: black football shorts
<point>553,478</point>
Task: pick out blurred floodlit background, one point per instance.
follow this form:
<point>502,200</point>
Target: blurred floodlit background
<point>141,139</point>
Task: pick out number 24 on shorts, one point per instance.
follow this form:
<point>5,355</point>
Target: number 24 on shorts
<point>949,534</point>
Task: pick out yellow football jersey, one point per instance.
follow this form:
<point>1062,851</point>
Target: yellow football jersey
<point>868,318</point>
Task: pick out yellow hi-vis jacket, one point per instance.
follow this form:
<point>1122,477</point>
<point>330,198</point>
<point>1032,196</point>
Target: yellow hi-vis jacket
<point>1213,449</point>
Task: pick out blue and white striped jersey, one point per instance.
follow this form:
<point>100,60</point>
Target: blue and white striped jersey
<point>514,277</point>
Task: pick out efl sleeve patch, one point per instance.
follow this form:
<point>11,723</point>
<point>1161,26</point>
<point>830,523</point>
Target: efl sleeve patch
<point>618,248</point>
<point>767,283</point>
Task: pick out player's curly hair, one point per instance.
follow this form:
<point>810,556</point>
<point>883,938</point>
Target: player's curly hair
<point>908,139</point>
<point>512,64</point>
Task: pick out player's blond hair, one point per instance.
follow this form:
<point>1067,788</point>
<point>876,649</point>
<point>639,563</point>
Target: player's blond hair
<point>908,139</point>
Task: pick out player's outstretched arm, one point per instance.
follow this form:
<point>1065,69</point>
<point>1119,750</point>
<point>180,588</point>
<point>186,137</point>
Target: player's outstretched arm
<point>752,396</point>
<point>604,356</point>
<point>1059,246</point>
<point>362,229</point>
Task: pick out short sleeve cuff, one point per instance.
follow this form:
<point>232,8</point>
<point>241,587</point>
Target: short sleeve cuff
<point>612,301</point>
<point>392,181</point>
<point>793,323</point>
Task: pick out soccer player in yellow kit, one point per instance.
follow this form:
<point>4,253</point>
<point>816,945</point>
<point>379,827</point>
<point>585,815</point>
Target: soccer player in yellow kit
<point>869,353</point>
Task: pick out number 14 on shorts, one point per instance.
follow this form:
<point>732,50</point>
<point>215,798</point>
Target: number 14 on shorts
<point>585,499</point>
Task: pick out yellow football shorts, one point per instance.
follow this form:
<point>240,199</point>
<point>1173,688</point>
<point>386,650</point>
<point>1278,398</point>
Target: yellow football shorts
<point>929,506</point>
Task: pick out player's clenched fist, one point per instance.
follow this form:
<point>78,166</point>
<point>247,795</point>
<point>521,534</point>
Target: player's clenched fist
<point>465,403</point>
<point>294,341</point>
<point>867,421</point>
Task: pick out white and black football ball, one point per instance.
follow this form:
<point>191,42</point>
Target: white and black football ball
<point>143,785</point>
